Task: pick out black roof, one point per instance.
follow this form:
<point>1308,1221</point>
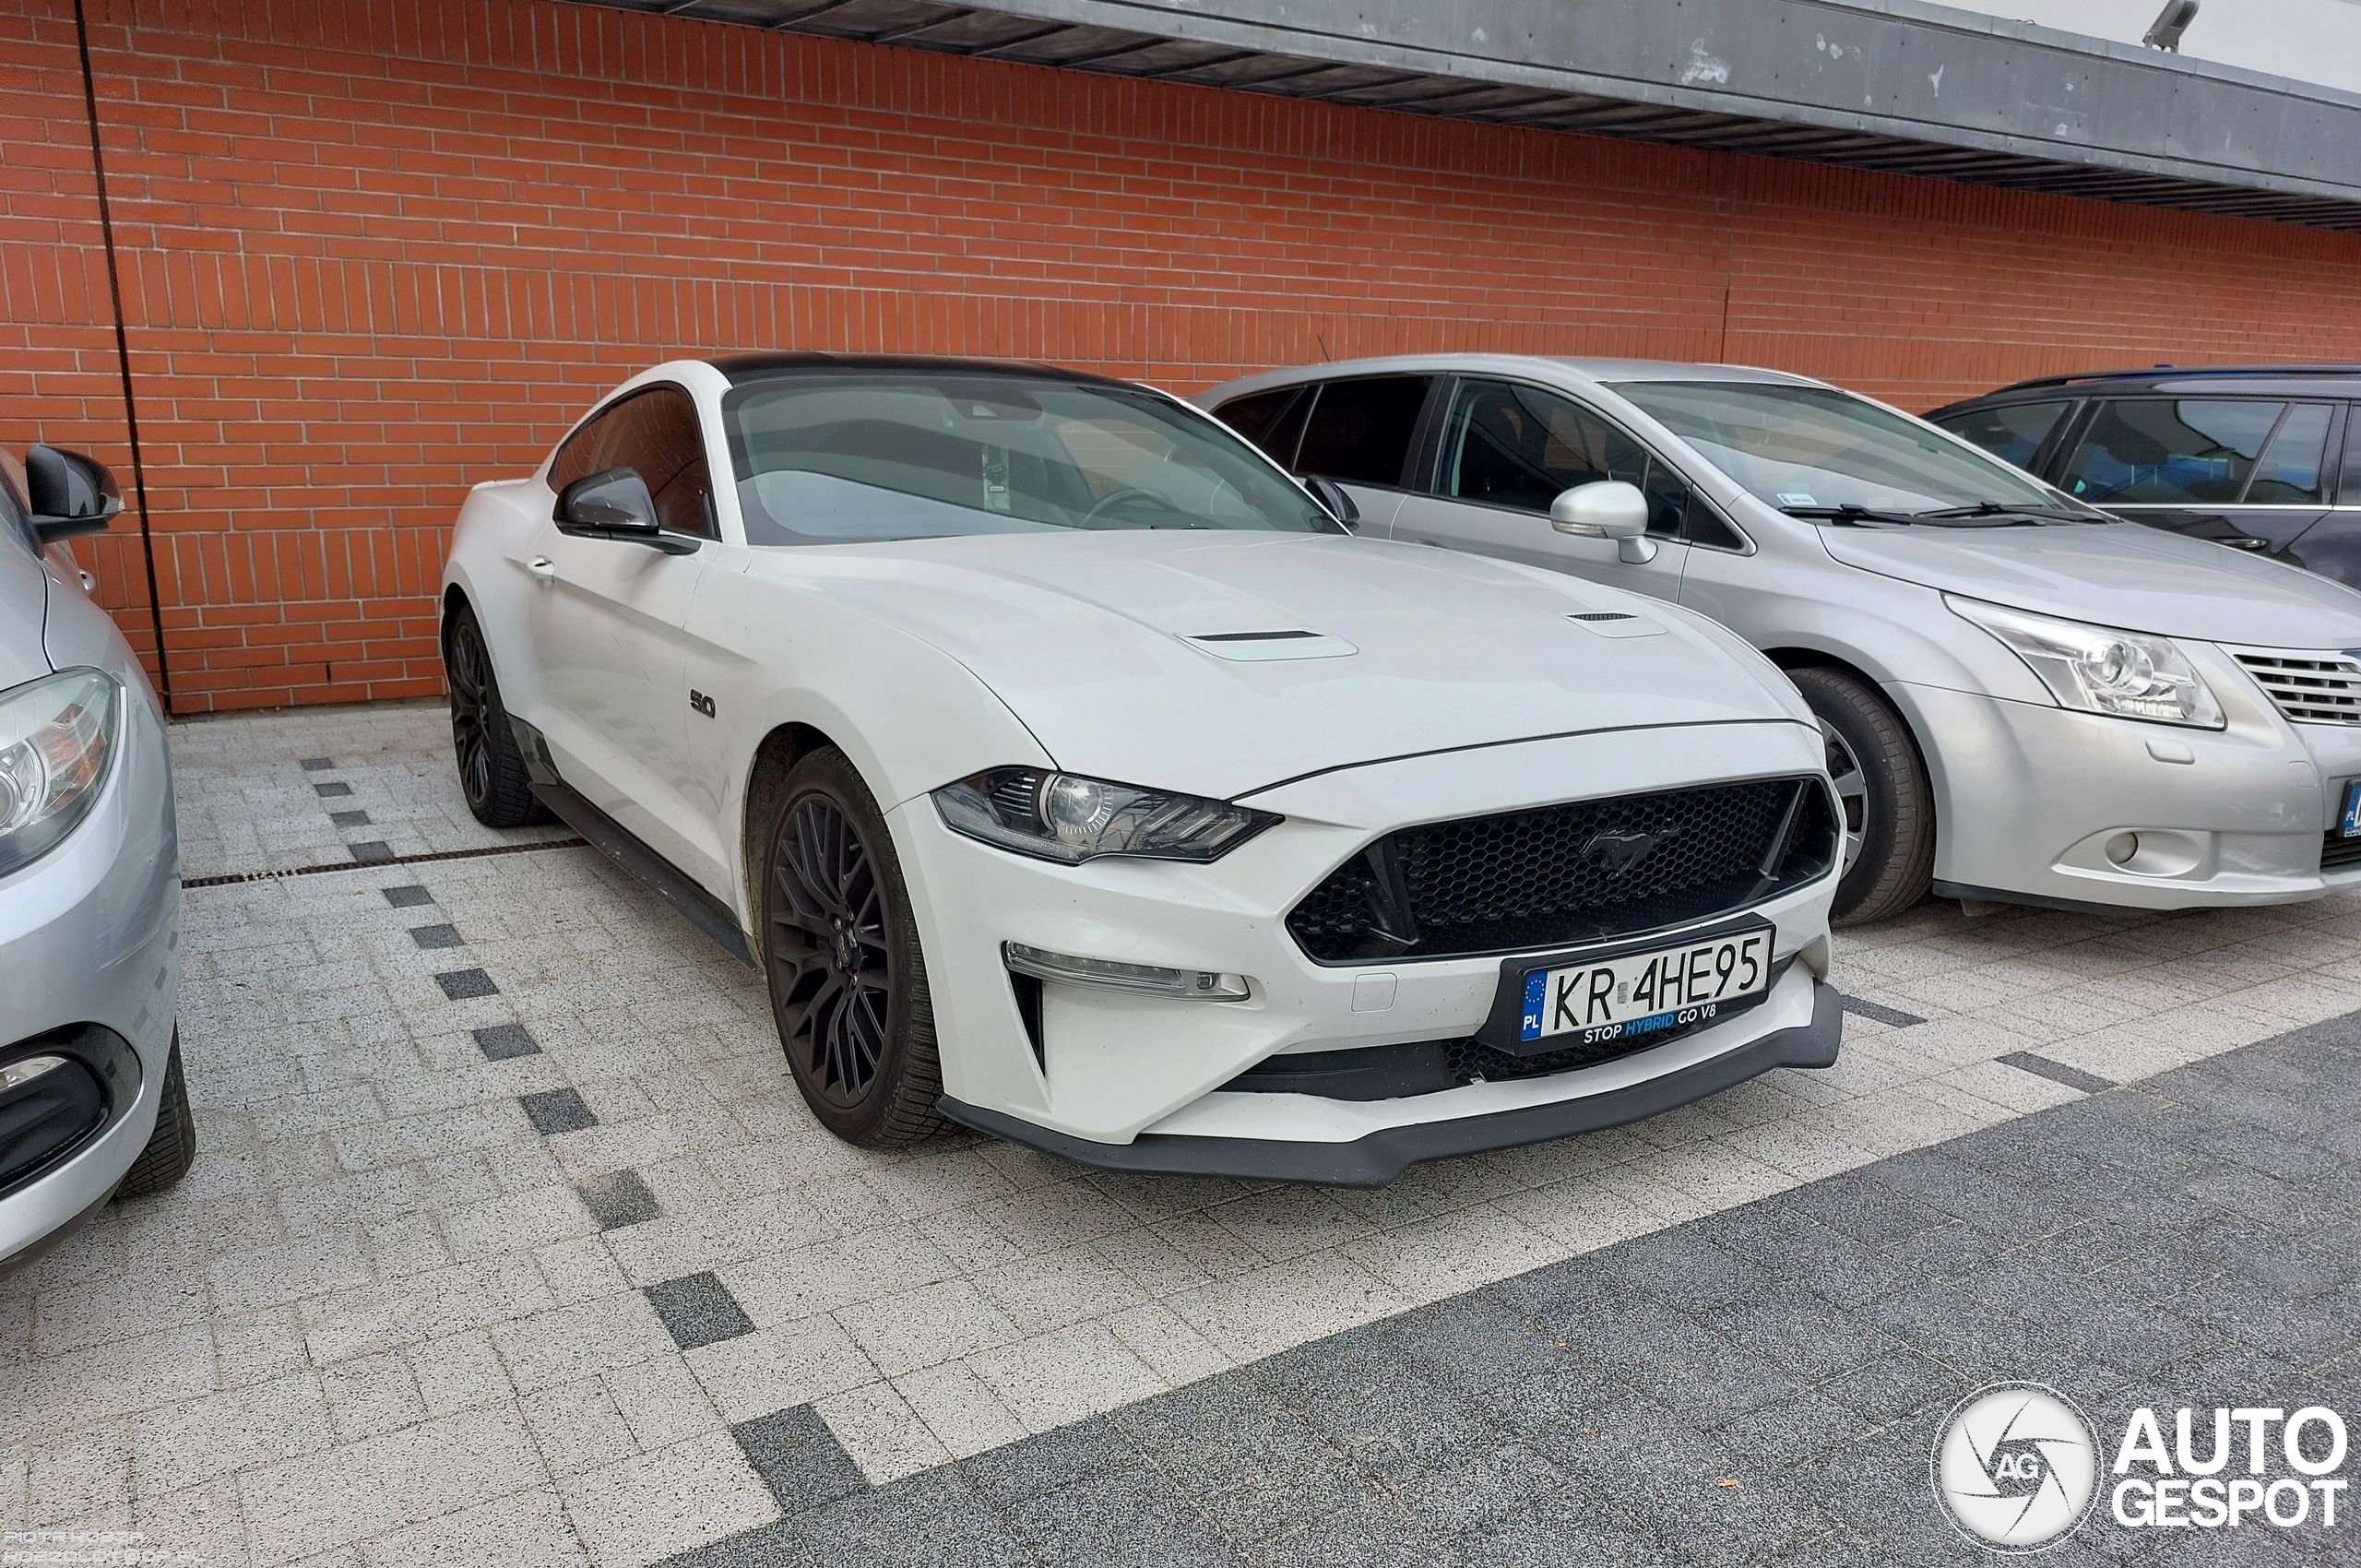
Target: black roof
<point>758,366</point>
<point>2285,380</point>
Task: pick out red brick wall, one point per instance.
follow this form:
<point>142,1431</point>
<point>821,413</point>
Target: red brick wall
<point>374,252</point>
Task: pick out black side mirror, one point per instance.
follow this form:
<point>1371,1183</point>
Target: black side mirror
<point>616,504</point>
<point>71,493</point>
<point>1331,495</point>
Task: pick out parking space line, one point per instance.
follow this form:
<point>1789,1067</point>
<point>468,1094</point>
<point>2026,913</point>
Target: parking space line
<point>2058,1072</point>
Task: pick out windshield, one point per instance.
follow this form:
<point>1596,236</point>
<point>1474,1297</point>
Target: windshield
<point>839,459</point>
<point>1813,448</point>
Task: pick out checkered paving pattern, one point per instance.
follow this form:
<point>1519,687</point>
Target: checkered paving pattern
<point>508,1234</point>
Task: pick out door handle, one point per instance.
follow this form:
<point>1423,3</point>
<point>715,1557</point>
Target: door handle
<point>542,568</point>
<point>2247,541</point>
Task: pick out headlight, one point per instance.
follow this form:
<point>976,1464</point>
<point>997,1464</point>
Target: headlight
<point>56,737</point>
<point>2099,670</point>
<point>1061,816</point>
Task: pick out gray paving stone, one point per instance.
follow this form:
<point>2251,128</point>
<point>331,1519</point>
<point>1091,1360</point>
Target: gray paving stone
<point>797,1457</point>
<point>697,1310</point>
<point>505,1043</point>
<point>350,819</point>
<point>461,984</point>
<point>317,763</point>
<point>332,790</point>
<point>556,1110</point>
<point>371,850</point>
<point>408,897</point>
<point>618,1199</point>
<point>433,936</point>
<point>2041,1066</point>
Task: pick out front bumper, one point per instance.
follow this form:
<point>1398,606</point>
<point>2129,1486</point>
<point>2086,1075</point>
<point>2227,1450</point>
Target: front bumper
<point>1111,1067</point>
<point>88,952</point>
<point>2029,797</point>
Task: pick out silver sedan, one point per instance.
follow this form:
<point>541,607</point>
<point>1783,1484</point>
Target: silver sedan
<point>2024,698</point>
<point>91,1098</point>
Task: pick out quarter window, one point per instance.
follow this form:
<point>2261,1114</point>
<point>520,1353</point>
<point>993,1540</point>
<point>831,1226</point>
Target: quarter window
<point>1361,430</point>
<point>2012,431</point>
<point>2289,474</point>
<point>1272,420</point>
<point>2162,450</point>
<point>655,432</point>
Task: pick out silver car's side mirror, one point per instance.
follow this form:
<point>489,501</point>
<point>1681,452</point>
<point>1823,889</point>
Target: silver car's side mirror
<point>1607,508</point>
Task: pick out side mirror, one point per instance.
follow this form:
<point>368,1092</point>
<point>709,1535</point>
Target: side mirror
<point>1607,508</point>
<point>1331,495</point>
<point>71,493</point>
<point>616,504</point>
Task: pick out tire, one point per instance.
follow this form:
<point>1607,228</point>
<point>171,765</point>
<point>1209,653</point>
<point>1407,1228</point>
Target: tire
<point>173,1145</point>
<point>840,950</point>
<point>1888,806</point>
<point>491,770</point>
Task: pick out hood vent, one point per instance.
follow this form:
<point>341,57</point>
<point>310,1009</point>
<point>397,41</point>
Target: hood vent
<point>1615,623</point>
<point>1249,648</point>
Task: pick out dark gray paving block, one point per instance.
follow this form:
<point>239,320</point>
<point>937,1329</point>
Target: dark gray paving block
<point>1220,1432</point>
<point>407,898</point>
<point>461,984</point>
<point>435,935</point>
<point>371,851</point>
<point>1137,1519</point>
<point>1088,1451</point>
<point>505,1042</point>
<point>618,1198</point>
<point>2058,1072</point>
<point>1554,1533</point>
<point>776,1545</point>
<point>1878,1013</point>
<point>933,1519</point>
<point>350,819</point>
<point>1479,1341</point>
<point>317,763</point>
<point>557,1111</point>
<point>1468,1488</point>
<point>335,790</point>
<point>1370,1529</point>
<point>1808,1334</point>
<point>1685,1270</point>
<point>1857,1205</point>
<point>792,1450</point>
<point>1899,1385</point>
<point>698,1309</point>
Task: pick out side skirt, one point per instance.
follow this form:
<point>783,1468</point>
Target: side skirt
<point>699,907</point>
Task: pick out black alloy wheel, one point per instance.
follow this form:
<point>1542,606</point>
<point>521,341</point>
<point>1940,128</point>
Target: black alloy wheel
<point>848,984</point>
<point>491,770</point>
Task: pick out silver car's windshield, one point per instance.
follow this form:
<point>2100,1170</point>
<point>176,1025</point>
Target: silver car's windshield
<point>1820,453</point>
<point>837,460</point>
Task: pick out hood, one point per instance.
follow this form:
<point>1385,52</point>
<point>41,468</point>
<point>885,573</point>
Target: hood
<point>1149,656</point>
<point>2123,575</point>
<point>24,608</point>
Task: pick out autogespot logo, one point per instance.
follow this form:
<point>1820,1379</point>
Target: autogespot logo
<point>2016,1467</point>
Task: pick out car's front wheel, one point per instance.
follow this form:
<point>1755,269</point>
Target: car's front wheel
<point>491,770</point>
<point>848,981</point>
<point>171,1147</point>
<point>1882,787</point>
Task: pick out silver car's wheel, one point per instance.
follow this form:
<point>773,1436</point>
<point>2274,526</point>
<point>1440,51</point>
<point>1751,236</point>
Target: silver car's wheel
<point>1852,792</point>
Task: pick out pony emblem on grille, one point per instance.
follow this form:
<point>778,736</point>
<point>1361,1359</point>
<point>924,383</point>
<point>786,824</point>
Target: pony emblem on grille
<point>1618,853</point>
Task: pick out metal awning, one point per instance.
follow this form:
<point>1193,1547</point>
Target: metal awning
<point>1878,84</point>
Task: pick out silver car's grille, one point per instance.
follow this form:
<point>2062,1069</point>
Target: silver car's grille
<point>2310,685</point>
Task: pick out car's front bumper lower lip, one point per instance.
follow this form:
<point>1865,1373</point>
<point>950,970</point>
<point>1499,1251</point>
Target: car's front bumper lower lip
<point>1377,1157</point>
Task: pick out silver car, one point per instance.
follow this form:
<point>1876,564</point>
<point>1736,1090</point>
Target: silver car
<point>2023,699</point>
<point>91,1098</point>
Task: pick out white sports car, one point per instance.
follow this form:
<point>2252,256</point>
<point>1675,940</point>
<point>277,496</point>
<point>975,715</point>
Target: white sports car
<point>1073,774</point>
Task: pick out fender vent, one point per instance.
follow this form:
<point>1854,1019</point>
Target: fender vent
<point>1603,615</point>
<point>1251,647</point>
<point>1615,623</point>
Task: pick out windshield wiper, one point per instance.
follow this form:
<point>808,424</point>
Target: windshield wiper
<point>2038,509</point>
<point>1849,513</point>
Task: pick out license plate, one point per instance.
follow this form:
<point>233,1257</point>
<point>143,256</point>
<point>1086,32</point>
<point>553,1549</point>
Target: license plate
<point>2349,815</point>
<point>1642,993</point>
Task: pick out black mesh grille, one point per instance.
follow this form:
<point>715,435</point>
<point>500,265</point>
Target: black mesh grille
<point>1577,873</point>
<point>2338,851</point>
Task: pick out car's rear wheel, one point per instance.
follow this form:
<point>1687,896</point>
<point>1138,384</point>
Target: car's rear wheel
<point>848,981</point>
<point>171,1147</point>
<point>1882,789</point>
<point>491,770</point>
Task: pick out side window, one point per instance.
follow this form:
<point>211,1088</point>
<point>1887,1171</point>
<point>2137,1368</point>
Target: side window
<point>2164,450</point>
<point>2289,474</point>
<point>1273,420</point>
<point>2349,487</point>
<point>2014,431</point>
<point>1359,430</point>
<point>655,432</point>
<point>1515,445</point>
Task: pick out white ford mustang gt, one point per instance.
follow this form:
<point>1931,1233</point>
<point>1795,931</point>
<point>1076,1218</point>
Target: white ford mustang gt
<point>1073,774</point>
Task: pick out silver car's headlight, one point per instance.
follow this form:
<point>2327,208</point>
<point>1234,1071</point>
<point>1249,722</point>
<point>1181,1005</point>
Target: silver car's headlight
<point>1062,816</point>
<point>2101,670</point>
<point>56,738</point>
